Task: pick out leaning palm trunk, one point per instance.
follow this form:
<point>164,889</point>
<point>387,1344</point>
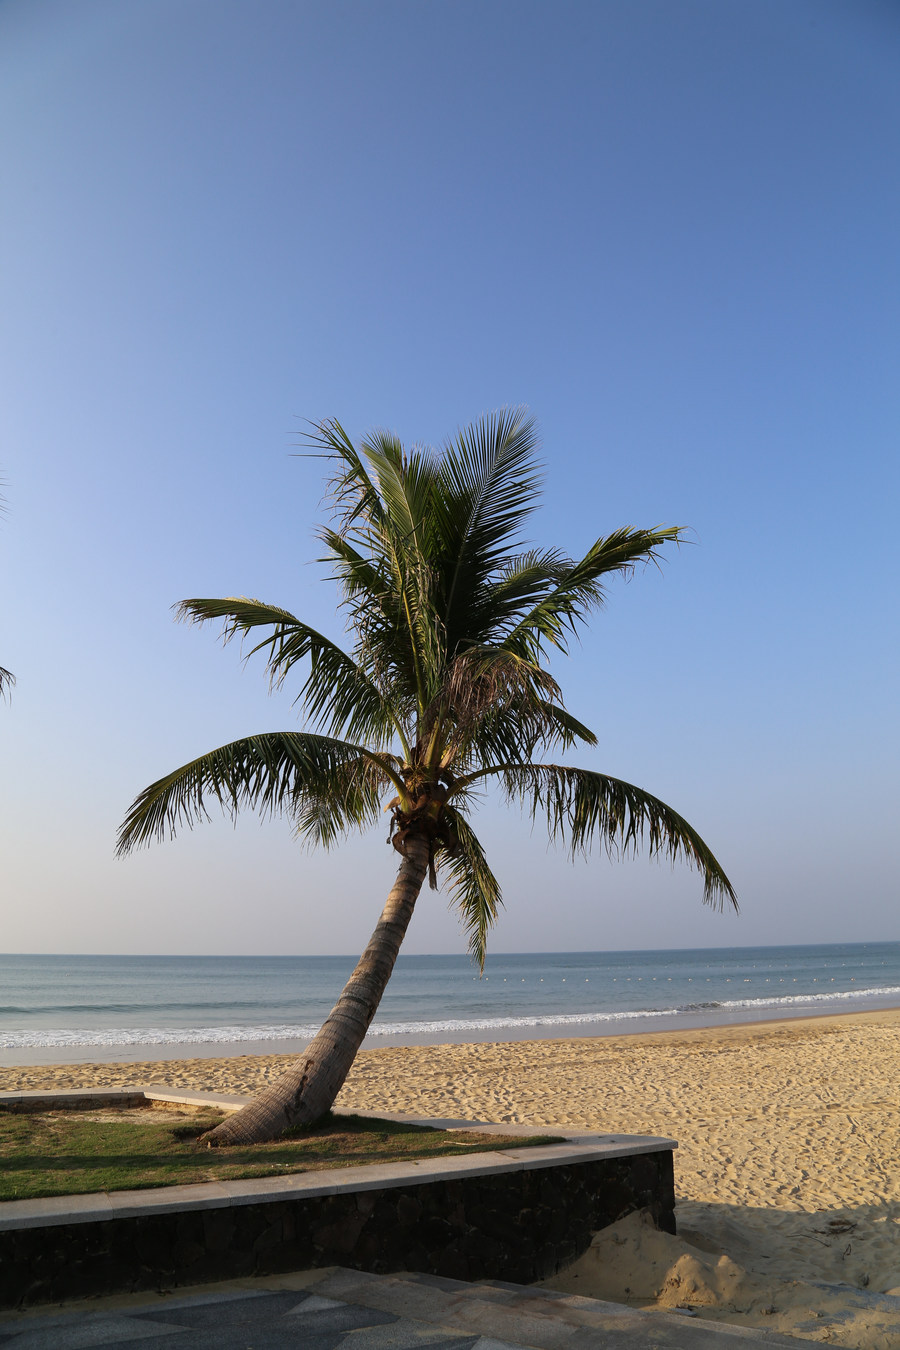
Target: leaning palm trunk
<point>307,1091</point>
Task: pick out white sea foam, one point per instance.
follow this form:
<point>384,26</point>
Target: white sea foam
<point>235,1035</point>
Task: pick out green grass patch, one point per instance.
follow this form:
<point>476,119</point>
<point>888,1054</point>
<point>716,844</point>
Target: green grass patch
<point>76,1152</point>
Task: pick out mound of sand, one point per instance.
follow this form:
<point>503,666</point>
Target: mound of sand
<point>631,1262</point>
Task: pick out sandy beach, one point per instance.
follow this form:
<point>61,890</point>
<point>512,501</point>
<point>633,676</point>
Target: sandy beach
<point>787,1170</point>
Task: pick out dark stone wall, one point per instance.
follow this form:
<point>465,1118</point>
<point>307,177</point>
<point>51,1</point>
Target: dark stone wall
<point>519,1226</point>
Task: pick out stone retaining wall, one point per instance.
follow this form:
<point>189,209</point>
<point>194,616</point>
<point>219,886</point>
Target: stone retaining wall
<point>519,1215</point>
<point>521,1226</point>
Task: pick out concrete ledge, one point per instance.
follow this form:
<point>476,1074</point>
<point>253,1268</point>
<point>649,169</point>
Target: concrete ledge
<point>222,1101</point>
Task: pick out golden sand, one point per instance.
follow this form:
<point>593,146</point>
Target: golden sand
<point>788,1159</point>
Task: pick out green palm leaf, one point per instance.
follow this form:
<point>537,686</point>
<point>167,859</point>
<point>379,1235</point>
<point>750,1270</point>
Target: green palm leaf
<point>486,489</point>
<point>337,695</point>
<point>324,785</point>
<point>582,807</point>
<point>473,887</point>
<point>580,590</point>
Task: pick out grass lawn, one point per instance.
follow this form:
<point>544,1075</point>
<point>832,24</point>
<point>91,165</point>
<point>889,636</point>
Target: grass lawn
<point>75,1152</point>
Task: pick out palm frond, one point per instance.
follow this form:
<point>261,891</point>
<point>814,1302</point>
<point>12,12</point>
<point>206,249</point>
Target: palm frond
<point>407,487</point>
<point>325,812</point>
<point>278,773</point>
<point>564,729</point>
<point>357,574</point>
<point>582,807</point>
<point>376,615</point>
<point>351,491</point>
<point>7,680</point>
<point>523,581</point>
<point>580,590</point>
<point>473,887</point>
<point>493,704</point>
<point>487,486</point>
<point>404,484</point>
<point>482,678</point>
<point>242,613</point>
<point>337,695</point>
<point>383,502</point>
<point>502,736</point>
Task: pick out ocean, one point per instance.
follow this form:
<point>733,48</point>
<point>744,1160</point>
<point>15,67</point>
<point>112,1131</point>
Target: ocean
<point>68,1008</point>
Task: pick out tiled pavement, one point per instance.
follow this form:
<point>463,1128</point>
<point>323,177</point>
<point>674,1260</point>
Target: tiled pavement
<point>326,1309</point>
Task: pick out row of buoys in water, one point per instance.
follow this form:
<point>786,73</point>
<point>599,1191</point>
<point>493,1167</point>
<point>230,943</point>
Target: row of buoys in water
<point>639,978</point>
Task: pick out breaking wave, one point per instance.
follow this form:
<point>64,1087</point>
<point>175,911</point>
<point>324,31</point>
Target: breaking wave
<point>239,1034</point>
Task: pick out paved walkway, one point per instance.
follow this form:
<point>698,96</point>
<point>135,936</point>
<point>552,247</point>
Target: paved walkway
<point>326,1309</point>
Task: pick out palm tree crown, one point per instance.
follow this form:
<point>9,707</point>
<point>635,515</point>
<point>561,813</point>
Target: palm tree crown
<point>445,688</point>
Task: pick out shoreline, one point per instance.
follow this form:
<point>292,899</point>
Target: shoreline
<point>676,1024</point>
<point>246,1060</point>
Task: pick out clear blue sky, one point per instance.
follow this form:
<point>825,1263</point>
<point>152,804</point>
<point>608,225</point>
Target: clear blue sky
<point>670,227</point>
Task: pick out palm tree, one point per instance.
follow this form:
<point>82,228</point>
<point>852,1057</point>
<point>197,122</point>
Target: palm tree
<point>444,692</point>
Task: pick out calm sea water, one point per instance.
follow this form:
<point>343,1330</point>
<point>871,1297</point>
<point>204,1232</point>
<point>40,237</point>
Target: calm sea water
<point>101,1006</point>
